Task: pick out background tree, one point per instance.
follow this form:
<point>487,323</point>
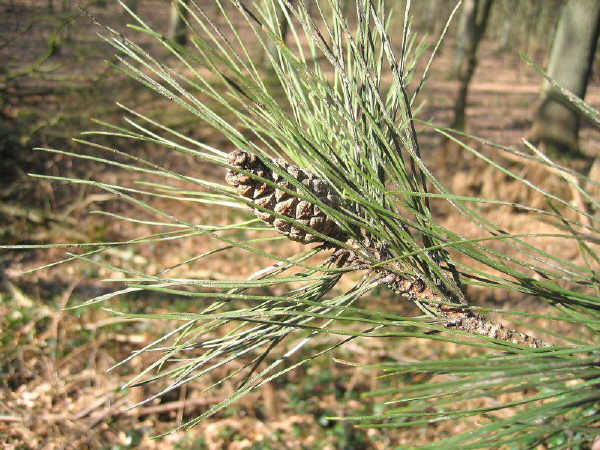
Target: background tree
<point>556,124</point>
<point>177,26</point>
<point>429,14</point>
<point>473,22</point>
<point>506,24</point>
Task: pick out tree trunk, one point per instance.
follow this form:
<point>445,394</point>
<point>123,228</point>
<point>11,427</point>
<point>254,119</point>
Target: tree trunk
<point>505,34</point>
<point>177,27</point>
<point>556,126</point>
<point>473,22</point>
<point>430,15</point>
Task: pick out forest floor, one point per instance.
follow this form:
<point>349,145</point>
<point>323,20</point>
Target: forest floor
<point>55,391</point>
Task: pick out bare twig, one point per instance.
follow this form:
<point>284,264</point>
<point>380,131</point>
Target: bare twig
<point>171,406</point>
<point>97,404</point>
<point>116,410</point>
<point>8,418</point>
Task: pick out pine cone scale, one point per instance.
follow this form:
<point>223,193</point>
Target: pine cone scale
<point>273,199</point>
<point>304,210</point>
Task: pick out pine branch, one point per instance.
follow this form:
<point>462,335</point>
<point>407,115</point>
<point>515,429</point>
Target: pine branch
<point>277,204</point>
<point>332,159</point>
<point>449,314</point>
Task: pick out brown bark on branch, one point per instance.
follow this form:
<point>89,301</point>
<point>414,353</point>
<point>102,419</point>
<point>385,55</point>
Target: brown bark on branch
<point>448,313</point>
<point>459,317</point>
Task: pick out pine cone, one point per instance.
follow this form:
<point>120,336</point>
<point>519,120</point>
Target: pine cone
<point>268,197</point>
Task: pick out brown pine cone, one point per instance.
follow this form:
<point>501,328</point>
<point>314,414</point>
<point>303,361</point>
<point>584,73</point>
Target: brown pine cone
<point>268,197</point>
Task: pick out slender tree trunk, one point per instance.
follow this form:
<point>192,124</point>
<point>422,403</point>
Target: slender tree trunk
<point>429,15</point>
<point>473,23</point>
<point>66,9</point>
<point>177,28</point>
<point>504,40</point>
<point>505,34</point>
<point>556,126</point>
